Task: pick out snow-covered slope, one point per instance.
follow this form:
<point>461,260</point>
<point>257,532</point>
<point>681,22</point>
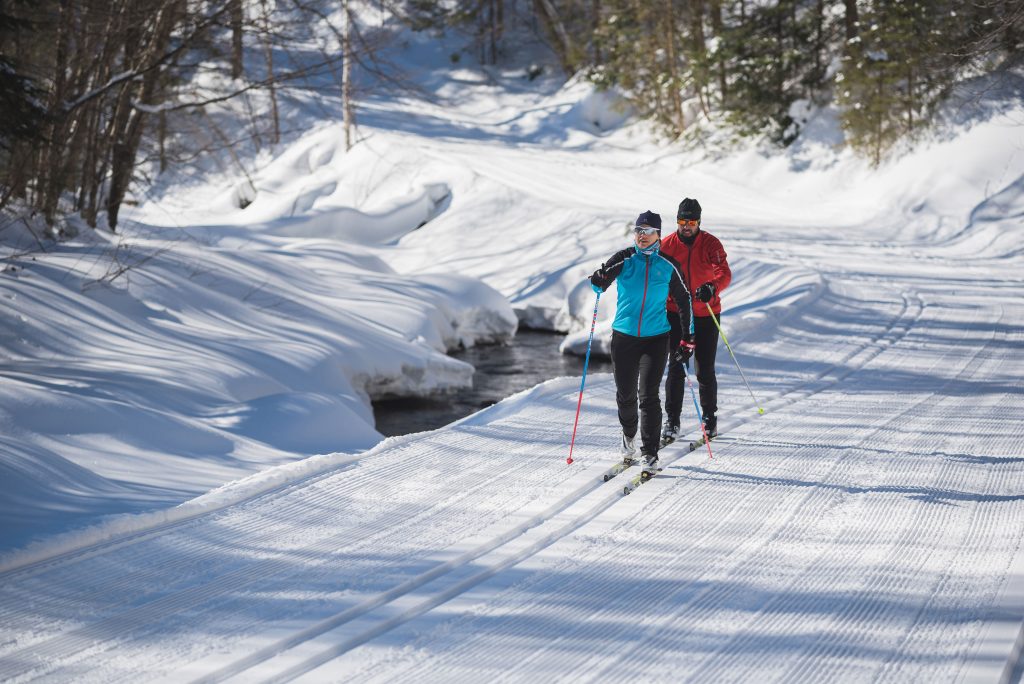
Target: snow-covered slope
<point>868,526</point>
<point>206,360</point>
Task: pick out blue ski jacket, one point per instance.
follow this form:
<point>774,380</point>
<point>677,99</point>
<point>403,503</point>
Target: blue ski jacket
<point>645,282</point>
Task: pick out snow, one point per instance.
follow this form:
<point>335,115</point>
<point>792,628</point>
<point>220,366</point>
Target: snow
<point>192,488</point>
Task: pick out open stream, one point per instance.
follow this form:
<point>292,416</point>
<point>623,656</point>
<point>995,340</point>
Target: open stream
<point>501,370</point>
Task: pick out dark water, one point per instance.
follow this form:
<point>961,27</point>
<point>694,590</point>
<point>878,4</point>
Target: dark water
<point>501,371</point>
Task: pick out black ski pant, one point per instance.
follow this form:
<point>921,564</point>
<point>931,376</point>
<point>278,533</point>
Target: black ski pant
<point>705,334</point>
<point>638,364</point>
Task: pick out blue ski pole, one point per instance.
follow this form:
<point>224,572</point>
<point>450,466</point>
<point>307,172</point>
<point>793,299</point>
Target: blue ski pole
<point>586,362</point>
<point>700,418</point>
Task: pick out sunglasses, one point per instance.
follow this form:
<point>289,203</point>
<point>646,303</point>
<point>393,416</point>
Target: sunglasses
<point>688,222</point>
<point>645,230</point>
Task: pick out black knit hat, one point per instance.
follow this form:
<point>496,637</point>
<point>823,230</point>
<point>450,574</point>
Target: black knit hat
<point>689,209</point>
<point>649,218</point>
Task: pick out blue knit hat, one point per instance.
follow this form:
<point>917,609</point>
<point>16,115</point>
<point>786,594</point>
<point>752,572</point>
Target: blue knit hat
<point>649,218</point>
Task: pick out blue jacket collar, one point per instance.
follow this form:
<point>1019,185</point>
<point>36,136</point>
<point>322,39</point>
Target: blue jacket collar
<point>653,249</point>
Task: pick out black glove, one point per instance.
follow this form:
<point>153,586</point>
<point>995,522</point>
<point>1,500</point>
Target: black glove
<point>705,292</point>
<point>684,351</point>
<point>600,279</point>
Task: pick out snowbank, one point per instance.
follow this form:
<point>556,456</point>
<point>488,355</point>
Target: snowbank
<point>208,360</point>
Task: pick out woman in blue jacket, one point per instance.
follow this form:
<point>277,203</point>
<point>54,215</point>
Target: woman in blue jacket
<point>645,279</point>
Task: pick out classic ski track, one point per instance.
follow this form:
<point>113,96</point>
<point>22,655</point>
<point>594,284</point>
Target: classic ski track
<point>871,348</point>
<point>970,543</point>
<point>757,506</point>
<point>118,541</point>
<point>684,607</point>
<point>223,582</point>
<point>494,545</point>
<point>485,485</point>
<point>54,651</point>
<point>782,618</point>
<point>251,574</point>
<point>875,345</point>
<point>206,549</point>
<point>891,343</point>
<point>895,330</point>
<point>833,641</point>
<point>145,576</point>
<point>764,499</point>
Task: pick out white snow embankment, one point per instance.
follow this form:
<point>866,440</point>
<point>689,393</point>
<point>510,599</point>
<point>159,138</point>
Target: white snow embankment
<point>204,363</point>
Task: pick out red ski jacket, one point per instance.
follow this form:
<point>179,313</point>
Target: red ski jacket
<point>703,262</point>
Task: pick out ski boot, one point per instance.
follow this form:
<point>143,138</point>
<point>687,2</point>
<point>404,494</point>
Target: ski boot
<point>651,466</point>
<point>628,450</point>
<point>669,433</point>
<point>710,425</point>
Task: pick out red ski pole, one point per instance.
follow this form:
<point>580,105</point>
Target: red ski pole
<point>586,363</point>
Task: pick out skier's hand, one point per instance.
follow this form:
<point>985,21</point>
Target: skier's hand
<point>705,292</point>
<point>600,280</point>
<point>684,351</point>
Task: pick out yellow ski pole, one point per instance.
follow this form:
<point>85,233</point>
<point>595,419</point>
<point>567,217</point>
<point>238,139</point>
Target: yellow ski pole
<point>726,340</point>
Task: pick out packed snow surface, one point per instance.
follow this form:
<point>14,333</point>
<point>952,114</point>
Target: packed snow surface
<point>867,526</point>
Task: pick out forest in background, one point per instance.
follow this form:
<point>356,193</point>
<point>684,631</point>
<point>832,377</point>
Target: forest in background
<point>98,95</point>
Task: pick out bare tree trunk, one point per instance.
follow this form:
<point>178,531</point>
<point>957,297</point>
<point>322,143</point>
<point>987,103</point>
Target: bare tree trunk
<point>850,19</point>
<point>911,85</point>
<point>499,27</point>
<point>348,118</point>
<point>479,11</point>
<point>880,93</point>
<point>89,162</point>
<point>716,28</point>
<point>268,51</point>
<point>700,52</point>
<point>128,133</point>
<point>162,134</point>
<point>50,175</point>
<point>493,29</point>
<point>555,25</point>
<point>675,98</point>
<point>236,18</point>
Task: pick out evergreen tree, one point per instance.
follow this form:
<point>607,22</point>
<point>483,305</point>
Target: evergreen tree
<point>769,65</point>
<point>654,53</point>
<point>896,71</point>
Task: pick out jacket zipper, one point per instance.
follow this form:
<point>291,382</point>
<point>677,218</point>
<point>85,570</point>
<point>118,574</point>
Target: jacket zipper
<point>643,301</point>
<point>689,266</point>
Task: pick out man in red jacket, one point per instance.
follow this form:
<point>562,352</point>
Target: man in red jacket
<point>706,273</point>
